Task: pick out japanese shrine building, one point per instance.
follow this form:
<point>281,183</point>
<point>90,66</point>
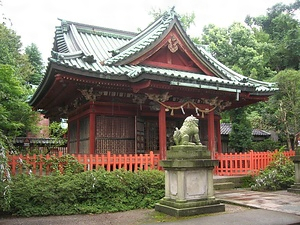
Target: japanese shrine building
<point>126,92</point>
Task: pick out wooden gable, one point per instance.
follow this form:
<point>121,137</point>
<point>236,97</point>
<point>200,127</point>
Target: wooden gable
<point>173,52</point>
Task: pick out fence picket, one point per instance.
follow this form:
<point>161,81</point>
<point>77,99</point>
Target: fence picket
<point>244,163</point>
<point>229,164</point>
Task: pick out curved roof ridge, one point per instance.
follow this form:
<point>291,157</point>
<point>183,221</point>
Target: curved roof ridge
<point>164,19</point>
<point>148,36</point>
<point>77,40</point>
<point>68,55</point>
<point>98,28</point>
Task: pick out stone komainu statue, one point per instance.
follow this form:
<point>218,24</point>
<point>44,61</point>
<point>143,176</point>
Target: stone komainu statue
<point>188,134</point>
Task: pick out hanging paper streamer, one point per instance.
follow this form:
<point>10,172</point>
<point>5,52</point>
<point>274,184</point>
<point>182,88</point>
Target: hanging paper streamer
<point>188,104</point>
<point>197,111</point>
<point>182,110</point>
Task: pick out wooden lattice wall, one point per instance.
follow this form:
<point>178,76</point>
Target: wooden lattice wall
<point>115,134</point>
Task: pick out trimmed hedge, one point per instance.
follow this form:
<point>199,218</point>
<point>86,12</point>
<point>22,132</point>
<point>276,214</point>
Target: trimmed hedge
<point>87,192</point>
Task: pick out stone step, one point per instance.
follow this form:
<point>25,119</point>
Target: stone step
<point>224,186</point>
<point>227,182</point>
<point>294,188</point>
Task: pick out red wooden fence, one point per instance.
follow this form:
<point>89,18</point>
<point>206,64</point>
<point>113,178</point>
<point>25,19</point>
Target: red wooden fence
<point>230,164</point>
<point>234,164</point>
<point>35,164</point>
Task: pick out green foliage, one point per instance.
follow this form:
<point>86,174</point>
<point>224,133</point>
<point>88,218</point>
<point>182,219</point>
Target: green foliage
<point>238,48</point>
<point>10,45</point>
<point>240,136</point>
<point>66,164</point>
<point>265,145</point>
<point>5,180</point>
<point>88,192</point>
<point>16,116</point>
<point>279,174</point>
<point>284,32</point>
<point>283,109</point>
<point>56,131</point>
<point>35,58</point>
<point>247,181</point>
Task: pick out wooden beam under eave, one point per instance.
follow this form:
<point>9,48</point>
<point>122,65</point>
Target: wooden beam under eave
<point>136,87</point>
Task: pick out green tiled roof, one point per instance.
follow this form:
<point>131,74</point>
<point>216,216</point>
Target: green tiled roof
<point>106,53</point>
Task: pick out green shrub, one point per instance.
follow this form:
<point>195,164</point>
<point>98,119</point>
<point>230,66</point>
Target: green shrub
<point>66,164</point>
<point>87,192</point>
<point>265,145</point>
<point>279,174</point>
<point>247,181</point>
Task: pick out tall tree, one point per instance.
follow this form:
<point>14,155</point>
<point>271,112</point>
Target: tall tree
<point>283,29</point>
<point>238,48</point>
<point>35,58</point>
<point>240,137</point>
<point>16,115</point>
<point>284,107</point>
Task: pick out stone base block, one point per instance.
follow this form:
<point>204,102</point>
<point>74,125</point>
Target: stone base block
<point>294,188</point>
<point>188,152</point>
<point>189,208</point>
<point>192,211</point>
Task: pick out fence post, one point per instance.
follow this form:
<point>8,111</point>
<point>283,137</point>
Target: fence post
<point>135,162</point>
<point>48,166</point>
<point>146,158</point>
<point>108,161</point>
<point>125,161</point>
<point>97,161</point>
<point>251,160</point>
<point>130,162</point>
<point>114,162</point>
<point>34,165</point>
<point>151,160</point>
<point>120,161</point>
<point>41,163</point>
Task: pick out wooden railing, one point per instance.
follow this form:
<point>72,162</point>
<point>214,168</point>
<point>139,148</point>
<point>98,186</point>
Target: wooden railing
<point>35,164</point>
<point>230,164</point>
<point>235,164</point>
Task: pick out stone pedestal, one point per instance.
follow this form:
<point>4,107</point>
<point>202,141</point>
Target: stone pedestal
<point>189,182</point>
<point>296,187</point>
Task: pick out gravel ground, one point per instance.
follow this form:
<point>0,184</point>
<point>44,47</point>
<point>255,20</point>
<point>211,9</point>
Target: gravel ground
<point>134,217</point>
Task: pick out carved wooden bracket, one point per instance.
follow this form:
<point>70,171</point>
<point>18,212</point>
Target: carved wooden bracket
<point>221,104</point>
<point>89,94</point>
<point>159,97</point>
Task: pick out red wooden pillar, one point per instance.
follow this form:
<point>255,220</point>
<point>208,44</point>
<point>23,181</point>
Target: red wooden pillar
<point>162,125</point>
<point>211,133</point>
<point>77,136</point>
<point>218,127</point>
<point>92,132</point>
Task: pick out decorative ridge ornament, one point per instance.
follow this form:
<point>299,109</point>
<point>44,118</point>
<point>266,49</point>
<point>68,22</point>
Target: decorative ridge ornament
<point>173,44</point>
